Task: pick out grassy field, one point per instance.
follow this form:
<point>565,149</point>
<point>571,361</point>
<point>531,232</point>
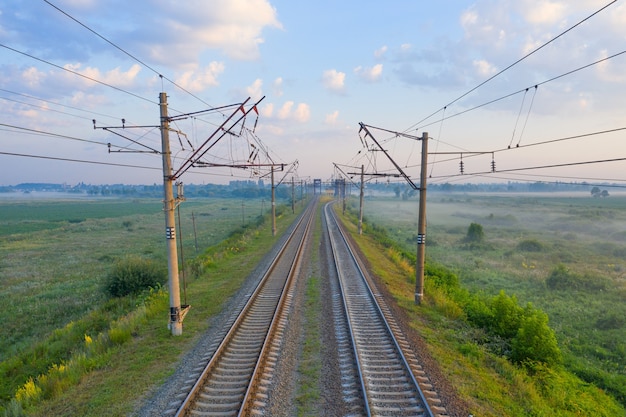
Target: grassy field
<point>565,254</point>
<point>55,254</point>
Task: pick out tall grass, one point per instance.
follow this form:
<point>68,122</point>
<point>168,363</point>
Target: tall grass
<point>474,354</point>
<point>63,323</point>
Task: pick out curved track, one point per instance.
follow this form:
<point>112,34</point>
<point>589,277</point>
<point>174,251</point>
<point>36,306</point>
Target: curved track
<point>388,385</point>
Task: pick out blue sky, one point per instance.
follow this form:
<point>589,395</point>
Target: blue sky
<point>323,67</point>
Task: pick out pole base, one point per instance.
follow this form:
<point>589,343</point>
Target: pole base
<point>175,327</point>
<point>419,298</point>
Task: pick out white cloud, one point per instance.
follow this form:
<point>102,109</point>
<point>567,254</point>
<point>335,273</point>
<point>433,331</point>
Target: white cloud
<point>370,74</point>
<point>484,68</point>
<point>233,26</point>
<point>545,12</point>
<point>331,119</point>
<point>380,52</point>
<point>114,77</point>
<point>278,87</point>
<point>302,113</point>
<point>334,80</point>
<point>289,111</point>
<point>196,81</point>
<point>267,110</point>
<point>32,77</point>
<point>285,111</point>
<point>255,91</point>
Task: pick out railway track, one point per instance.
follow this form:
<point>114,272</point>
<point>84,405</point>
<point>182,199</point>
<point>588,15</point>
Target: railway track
<point>379,374</point>
<point>385,366</point>
<point>233,381</point>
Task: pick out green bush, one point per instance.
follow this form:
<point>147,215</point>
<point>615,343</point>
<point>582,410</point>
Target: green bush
<point>561,278</point>
<point>133,275</point>
<point>535,340</point>
<point>475,233</point>
<point>507,315</point>
<point>530,245</point>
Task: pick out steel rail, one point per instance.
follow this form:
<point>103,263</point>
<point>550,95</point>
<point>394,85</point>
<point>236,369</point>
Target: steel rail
<point>257,296</point>
<point>371,296</point>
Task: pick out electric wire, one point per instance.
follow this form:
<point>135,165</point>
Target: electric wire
<point>44,133</point>
<point>567,164</point>
<point>519,114</point>
<point>126,53</point>
<point>558,182</point>
<point>524,89</point>
<point>54,158</point>
<point>532,101</point>
<point>57,104</point>
<point>77,73</point>
<point>515,63</point>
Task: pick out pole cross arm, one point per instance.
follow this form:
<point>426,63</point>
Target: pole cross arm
<point>206,146</point>
<point>406,177</point>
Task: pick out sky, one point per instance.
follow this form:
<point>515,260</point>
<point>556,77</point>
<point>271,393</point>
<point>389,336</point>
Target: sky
<point>518,84</point>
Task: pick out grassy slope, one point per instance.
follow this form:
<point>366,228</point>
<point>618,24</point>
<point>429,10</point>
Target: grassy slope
<point>89,247</point>
<point>487,271</point>
<point>134,368</point>
<point>142,365</point>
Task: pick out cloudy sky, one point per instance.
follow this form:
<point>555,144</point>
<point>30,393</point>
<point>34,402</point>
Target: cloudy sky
<point>322,67</point>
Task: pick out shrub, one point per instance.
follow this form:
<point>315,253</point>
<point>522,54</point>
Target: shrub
<point>507,315</point>
<point>562,278</point>
<point>133,275</point>
<point>475,233</point>
<point>530,245</point>
<point>535,341</point>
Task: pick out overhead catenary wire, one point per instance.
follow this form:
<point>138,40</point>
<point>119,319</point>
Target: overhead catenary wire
<point>532,101</point>
<point>514,63</point>
<point>58,135</point>
<point>524,89</point>
<point>126,53</point>
<point>530,168</point>
<point>77,73</point>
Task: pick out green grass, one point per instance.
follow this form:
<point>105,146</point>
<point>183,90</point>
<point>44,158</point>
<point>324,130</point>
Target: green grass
<point>309,365</point>
<point>581,233</point>
<point>55,281</point>
<point>490,384</point>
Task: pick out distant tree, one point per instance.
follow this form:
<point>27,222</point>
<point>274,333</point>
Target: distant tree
<point>604,193</point>
<point>397,190</point>
<point>475,233</point>
<point>595,191</point>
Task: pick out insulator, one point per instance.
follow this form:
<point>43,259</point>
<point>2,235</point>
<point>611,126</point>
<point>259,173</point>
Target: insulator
<point>461,167</point>
<point>493,165</point>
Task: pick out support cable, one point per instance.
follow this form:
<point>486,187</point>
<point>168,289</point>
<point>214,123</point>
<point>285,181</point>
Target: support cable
<point>521,107</point>
<point>524,89</point>
<point>516,62</point>
<point>78,74</point>
<point>532,101</point>
<point>126,53</point>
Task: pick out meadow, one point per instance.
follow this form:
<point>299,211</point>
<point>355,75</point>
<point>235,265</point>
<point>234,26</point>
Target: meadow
<point>566,254</point>
<point>55,254</point>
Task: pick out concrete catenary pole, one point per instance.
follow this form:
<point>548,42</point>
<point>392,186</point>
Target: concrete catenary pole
<point>421,225</point>
<point>273,204</point>
<point>293,196</point>
<point>169,205</point>
<point>361,195</point>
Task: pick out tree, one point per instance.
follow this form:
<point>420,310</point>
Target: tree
<point>595,192</point>
<point>535,340</point>
<point>475,233</point>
